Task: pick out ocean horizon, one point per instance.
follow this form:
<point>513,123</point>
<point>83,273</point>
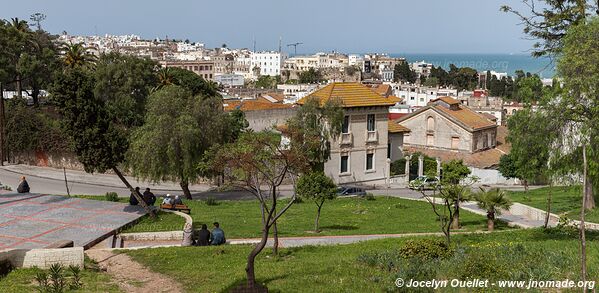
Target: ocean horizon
<point>508,63</point>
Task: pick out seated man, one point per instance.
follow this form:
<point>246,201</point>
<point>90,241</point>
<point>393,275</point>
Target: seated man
<point>149,197</point>
<point>178,200</point>
<point>217,237</point>
<point>132,199</point>
<point>167,200</point>
<point>23,186</point>
<point>203,236</point>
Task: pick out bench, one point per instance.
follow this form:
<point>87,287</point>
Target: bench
<point>177,207</point>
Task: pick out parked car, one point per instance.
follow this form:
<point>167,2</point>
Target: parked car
<point>350,190</point>
<point>424,182</point>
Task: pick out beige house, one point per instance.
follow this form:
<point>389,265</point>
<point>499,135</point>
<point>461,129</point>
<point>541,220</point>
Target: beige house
<point>445,124</point>
<point>360,152</point>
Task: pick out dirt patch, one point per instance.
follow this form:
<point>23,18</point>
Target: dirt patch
<point>131,276</point>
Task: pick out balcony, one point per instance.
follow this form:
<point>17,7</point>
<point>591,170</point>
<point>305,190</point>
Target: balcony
<point>346,139</point>
<point>372,136</point>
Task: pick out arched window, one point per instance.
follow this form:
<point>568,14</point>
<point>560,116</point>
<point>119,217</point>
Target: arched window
<point>430,123</point>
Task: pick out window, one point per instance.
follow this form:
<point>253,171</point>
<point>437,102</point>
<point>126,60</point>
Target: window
<point>389,151</point>
<point>369,162</point>
<point>345,125</point>
<point>344,164</point>
<point>455,142</point>
<point>430,140</point>
<point>430,123</point>
<point>371,126</point>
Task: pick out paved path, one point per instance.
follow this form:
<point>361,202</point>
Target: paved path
<point>37,220</point>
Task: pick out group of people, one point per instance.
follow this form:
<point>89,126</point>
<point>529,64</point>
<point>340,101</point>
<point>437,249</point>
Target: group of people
<point>148,197</point>
<point>214,237</point>
<point>172,201</point>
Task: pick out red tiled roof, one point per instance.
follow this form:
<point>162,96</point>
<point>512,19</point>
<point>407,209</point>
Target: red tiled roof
<point>484,159</point>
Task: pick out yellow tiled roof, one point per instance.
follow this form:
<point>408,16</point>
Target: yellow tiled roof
<point>253,105</point>
<point>351,94</point>
<point>395,127</point>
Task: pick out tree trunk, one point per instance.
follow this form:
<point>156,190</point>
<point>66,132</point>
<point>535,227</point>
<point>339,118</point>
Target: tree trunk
<point>526,186</point>
<point>35,93</point>
<point>316,223</point>
<point>2,153</point>
<point>185,187</point>
<point>590,200</point>
<point>134,192</point>
<point>490,221</point>
<point>275,231</point>
<point>455,224</point>
<point>583,243</point>
<point>249,268</point>
<point>19,87</point>
<point>548,212</point>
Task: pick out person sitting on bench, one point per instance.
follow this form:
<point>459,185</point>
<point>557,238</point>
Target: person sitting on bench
<point>167,200</point>
<point>217,237</point>
<point>23,186</point>
<point>178,200</point>
<point>132,199</point>
<point>149,197</point>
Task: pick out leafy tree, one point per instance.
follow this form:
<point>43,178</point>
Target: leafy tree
<point>76,55</point>
<point>99,143</point>
<point>23,128</point>
<point>403,72</point>
<point>257,160</point>
<point>463,78</point>
<point>313,127</point>
<point>493,201</point>
<point>37,64</point>
<point>124,82</point>
<point>178,130</point>
<point>431,82</point>
<point>266,82</point>
<point>453,173</point>
<point>441,75</point>
<point>548,21</point>
<point>318,187</point>
<point>193,82</point>
<point>529,89</point>
<point>310,76</point>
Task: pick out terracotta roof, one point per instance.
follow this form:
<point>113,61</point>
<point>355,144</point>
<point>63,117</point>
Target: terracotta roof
<point>502,143</point>
<point>272,97</point>
<point>486,159</point>
<point>382,89</point>
<point>351,94</point>
<point>395,127</point>
<point>489,116</point>
<point>253,105</point>
<point>448,100</point>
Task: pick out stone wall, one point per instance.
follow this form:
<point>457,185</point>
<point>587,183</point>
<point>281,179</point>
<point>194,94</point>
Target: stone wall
<point>54,160</point>
<point>265,119</point>
<point>443,132</point>
<point>43,258</point>
<point>491,177</point>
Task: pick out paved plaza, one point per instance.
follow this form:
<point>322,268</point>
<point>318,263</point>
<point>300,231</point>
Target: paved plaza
<point>37,220</point>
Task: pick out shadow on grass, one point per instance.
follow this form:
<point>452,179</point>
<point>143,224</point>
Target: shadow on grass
<point>264,282</point>
<point>339,227</point>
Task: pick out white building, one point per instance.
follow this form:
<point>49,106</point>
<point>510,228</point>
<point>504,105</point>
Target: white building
<point>422,68</point>
<point>294,92</point>
<point>269,63</point>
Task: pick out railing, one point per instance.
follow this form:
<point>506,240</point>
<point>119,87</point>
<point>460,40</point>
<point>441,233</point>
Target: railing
<point>346,139</point>
<point>372,136</point>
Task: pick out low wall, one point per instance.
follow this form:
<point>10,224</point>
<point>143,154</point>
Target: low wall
<point>43,258</point>
<point>491,177</point>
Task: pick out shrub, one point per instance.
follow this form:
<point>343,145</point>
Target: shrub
<point>211,201</point>
<point>398,167</point>
<point>111,196</point>
<point>369,196</point>
<point>425,249</point>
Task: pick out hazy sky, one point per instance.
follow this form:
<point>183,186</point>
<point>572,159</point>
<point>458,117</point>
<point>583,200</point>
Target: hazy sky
<point>351,26</point>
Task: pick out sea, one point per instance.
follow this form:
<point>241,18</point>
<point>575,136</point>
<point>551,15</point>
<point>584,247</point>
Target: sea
<point>507,63</point>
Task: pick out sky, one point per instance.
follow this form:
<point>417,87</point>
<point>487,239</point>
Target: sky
<point>349,26</point>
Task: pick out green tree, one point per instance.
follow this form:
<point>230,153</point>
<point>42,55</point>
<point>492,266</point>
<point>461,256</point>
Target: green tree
<point>463,77</point>
<point>493,201</point>
<point>76,55</point>
<point>179,128</point>
<point>310,76</point>
<point>313,127</point>
<point>317,187</point>
<point>124,82</point>
<point>454,172</point>
<point>257,160</point>
<point>99,143</point>
<point>529,89</point>
<point>431,82</point>
<point>403,72</point>
<point>266,82</point>
<point>193,82</point>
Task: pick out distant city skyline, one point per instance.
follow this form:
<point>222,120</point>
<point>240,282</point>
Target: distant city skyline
<point>351,26</point>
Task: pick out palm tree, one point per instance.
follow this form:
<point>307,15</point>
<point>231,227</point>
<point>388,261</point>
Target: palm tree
<point>22,29</point>
<point>493,201</point>
<point>19,24</point>
<point>165,77</point>
<point>76,55</point>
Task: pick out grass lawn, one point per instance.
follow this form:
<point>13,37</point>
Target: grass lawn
<point>342,216</point>
<point>341,268</point>
<point>23,280</point>
<point>565,200</point>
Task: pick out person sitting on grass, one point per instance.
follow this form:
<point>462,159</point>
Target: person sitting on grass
<point>167,200</point>
<point>23,186</point>
<point>149,197</point>
<point>178,200</point>
<point>217,237</point>
<point>203,236</point>
<point>132,199</point>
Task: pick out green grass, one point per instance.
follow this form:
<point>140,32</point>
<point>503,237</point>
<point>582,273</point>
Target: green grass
<point>566,200</point>
<point>23,280</point>
<point>343,216</point>
<point>337,268</point>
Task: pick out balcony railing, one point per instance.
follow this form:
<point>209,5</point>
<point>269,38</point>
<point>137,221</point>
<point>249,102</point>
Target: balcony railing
<point>372,136</point>
<point>346,139</point>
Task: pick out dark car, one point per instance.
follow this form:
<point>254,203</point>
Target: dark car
<point>351,190</point>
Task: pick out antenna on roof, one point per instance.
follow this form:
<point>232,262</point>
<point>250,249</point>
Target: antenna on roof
<point>280,39</point>
<point>294,45</point>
